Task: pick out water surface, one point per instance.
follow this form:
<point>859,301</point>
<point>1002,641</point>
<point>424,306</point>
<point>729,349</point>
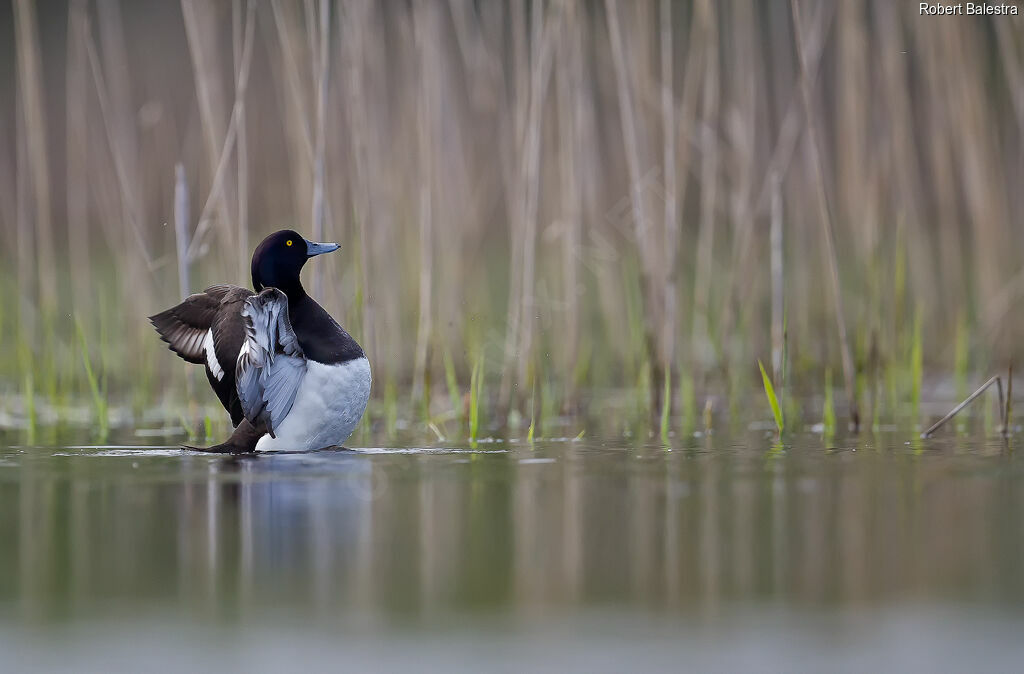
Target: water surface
<point>725,552</point>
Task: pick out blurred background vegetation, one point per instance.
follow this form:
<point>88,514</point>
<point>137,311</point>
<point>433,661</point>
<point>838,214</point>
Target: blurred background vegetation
<point>546,208</point>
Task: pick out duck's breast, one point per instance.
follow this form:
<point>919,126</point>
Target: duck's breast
<point>329,403</point>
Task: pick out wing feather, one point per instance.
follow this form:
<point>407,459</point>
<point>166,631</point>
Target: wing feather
<point>271,363</point>
<point>184,326</point>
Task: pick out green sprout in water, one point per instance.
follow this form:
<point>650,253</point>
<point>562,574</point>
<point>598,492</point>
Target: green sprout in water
<point>1008,413</point>
<point>828,415</point>
<point>916,368</point>
<point>961,357</point>
<point>475,386</point>
<point>688,401</point>
<point>533,413</point>
<point>666,406</point>
<point>30,406</point>
<point>95,387</point>
<point>453,383</point>
<point>773,400</point>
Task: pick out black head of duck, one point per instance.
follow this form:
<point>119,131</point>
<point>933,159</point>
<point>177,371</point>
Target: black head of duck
<point>278,260</point>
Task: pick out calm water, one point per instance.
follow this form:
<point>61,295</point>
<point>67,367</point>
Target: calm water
<point>721,554</point>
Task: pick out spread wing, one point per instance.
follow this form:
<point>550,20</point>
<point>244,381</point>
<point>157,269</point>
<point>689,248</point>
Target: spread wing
<point>271,364</point>
<point>185,326</point>
<point>194,329</point>
<point>207,329</point>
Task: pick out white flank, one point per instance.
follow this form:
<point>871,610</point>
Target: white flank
<point>330,402</point>
<point>211,356</point>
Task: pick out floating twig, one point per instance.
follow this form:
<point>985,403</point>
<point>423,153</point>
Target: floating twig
<point>956,410</point>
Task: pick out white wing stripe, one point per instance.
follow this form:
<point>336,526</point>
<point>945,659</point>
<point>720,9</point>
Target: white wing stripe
<point>211,356</point>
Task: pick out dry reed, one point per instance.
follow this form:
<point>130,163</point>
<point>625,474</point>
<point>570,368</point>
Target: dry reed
<point>512,181</point>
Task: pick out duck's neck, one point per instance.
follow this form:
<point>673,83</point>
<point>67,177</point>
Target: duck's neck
<point>295,292</point>
<point>289,285</point>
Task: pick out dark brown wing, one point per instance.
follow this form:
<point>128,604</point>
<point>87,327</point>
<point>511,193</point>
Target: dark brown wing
<point>228,326</point>
<point>210,318</point>
<point>184,326</point>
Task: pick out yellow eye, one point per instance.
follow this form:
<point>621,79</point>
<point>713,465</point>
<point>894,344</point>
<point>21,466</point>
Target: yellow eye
<point>288,242</point>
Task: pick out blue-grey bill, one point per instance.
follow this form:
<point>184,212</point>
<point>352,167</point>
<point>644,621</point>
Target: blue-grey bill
<point>314,248</point>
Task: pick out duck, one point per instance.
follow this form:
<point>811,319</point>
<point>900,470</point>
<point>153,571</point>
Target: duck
<point>290,377</point>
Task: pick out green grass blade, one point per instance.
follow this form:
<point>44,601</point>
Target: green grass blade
<point>1008,414</point>
<point>533,409</point>
<point>785,346</point>
<point>828,420</point>
<point>666,406</point>
<point>476,380</point>
<point>99,399</point>
<point>769,392</point>
<point>453,384</point>
<point>916,368</point>
<point>30,406</point>
<point>961,357</point>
